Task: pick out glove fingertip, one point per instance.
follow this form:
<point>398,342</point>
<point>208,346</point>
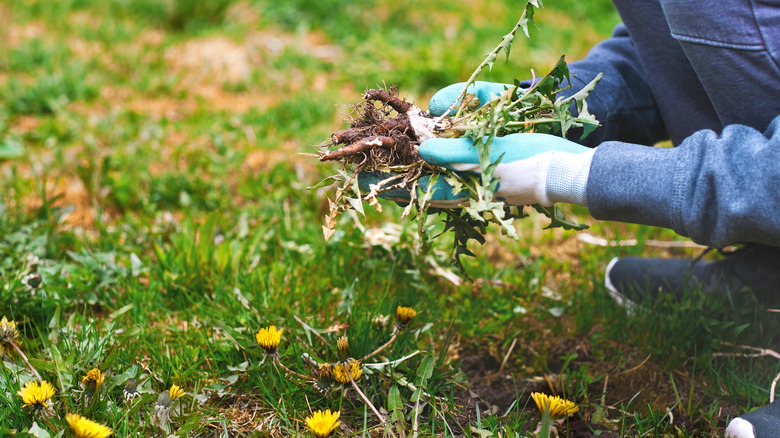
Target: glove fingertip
<point>438,106</point>
<point>441,101</point>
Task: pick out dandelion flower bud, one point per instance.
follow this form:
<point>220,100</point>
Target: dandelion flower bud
<point>92,381</point>
<point>164,400</point>
<point>33,280</point>
<point>342,346</point>
<point>325,373</point>
<point>131,389</point>
<point>405,315</point>
<point>9,336</point>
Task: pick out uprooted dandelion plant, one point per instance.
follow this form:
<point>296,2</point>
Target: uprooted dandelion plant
<point>385,132</point>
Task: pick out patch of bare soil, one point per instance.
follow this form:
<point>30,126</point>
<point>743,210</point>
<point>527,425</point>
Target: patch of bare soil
<point>14,35</point>
<point>214,59</point>
<point>626,382</point>
<point>246,416</point>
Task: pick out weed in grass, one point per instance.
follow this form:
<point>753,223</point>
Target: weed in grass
<point>37,397</point>
<point>323,423</point>
<point>552,408</point>
<point>9,337</point>
<point>91,383</point>
<point>49,92</point>
<point>161,416</point>
<point>180,15</point>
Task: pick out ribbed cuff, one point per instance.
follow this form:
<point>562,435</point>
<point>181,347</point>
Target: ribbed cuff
<point>567,177</point>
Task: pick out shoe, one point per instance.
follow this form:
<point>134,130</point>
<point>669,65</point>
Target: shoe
<point>761,423</point>
<point>754,267</point>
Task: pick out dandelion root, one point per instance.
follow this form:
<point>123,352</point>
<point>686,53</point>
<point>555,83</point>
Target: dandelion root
<point>359,146</point>
<point>380,133</point>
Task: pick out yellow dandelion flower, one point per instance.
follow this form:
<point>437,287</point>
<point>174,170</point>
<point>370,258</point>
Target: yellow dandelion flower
<point>269,338</point>
<point>554,405</point>
<point>8,335</point>
<point>84,428</point>
<point>322,424</point>
<point>94,375</point>
<point>175,392</point>
<point>343,370</point>
<point>405,314</point>
<point>342,345</point>
<point>36,394</point>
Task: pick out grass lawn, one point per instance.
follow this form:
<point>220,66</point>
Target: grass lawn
<point>157,216</point>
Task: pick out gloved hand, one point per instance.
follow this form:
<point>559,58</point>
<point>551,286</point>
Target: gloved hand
<point>485,91</point>
<point>442,195</point>
<point>534,168</point>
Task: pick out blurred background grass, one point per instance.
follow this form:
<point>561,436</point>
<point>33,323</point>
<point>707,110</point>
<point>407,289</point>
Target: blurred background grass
<point>153,172</point>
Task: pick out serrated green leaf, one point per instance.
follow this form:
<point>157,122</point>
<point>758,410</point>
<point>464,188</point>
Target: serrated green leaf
<point>491,59</point>
<point>506,43</point>
<point>357,204</point>
<point>42,364</point>
<point>557,219</point>
<point>579,96</point>
<point>528,16</point>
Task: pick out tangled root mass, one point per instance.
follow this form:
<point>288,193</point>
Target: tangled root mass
<point>380,133</point>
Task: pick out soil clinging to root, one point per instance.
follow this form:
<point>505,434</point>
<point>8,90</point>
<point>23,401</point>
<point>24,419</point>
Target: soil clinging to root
<point>381,132</point>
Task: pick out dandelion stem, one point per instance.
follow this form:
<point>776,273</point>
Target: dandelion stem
<point>371,405</point>
<point>505,42</point>
<point>289,371</point>
<point>545,424</point>
<point>24,357</point>
<point>485,63</point>
<point>379,350</point>
<point>415,424</point>
<point>54,429</point>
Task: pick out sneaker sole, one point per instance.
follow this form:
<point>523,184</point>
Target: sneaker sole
<point>621,299</point>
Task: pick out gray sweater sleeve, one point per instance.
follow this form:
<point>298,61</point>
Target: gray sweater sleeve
<point>622,101</point>
<point>716,189</point>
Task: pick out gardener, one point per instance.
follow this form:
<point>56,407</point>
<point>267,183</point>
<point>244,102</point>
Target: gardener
<point>705,75</point>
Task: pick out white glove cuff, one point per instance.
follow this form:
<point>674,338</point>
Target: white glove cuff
<point>567,177</point>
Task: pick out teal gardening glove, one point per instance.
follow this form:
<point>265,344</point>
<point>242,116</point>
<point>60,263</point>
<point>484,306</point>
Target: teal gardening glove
<point>534,168</point>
